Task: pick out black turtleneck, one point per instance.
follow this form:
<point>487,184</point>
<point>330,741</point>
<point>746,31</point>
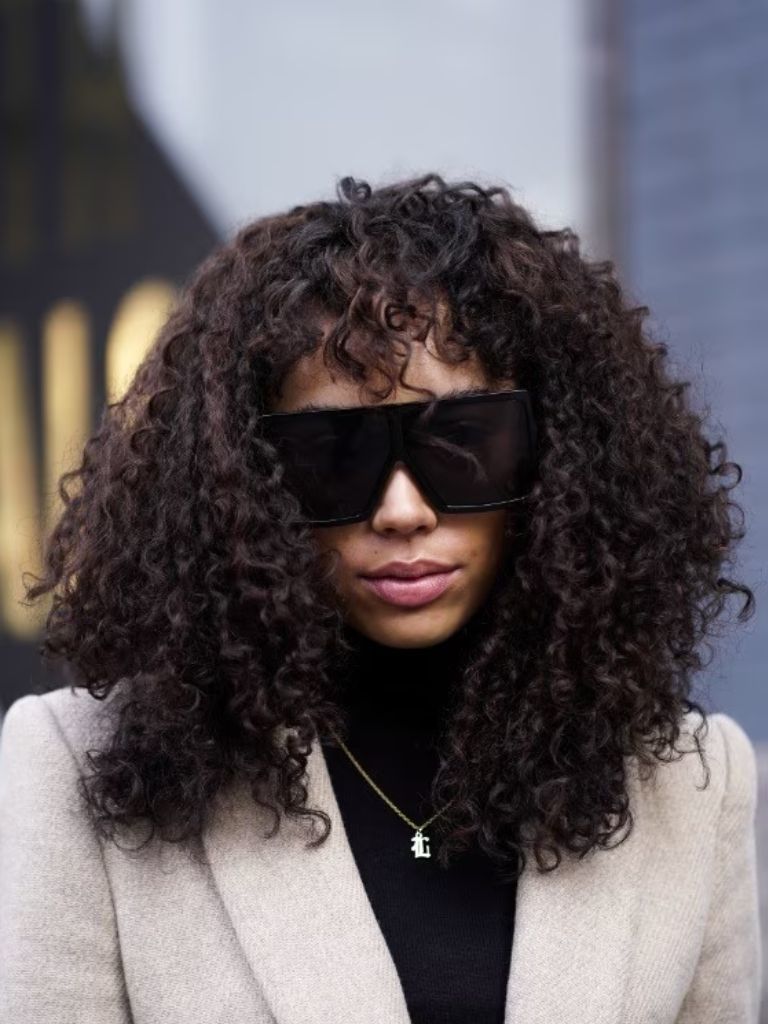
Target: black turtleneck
<point>449,931</point>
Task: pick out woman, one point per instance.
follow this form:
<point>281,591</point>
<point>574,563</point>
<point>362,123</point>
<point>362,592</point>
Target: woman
<point>389,575</point>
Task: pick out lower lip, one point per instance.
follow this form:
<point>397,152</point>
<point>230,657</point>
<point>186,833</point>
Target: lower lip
<point>410,593</point>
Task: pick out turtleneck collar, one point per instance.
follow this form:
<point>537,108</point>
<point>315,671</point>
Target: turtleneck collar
<point>400,691</point>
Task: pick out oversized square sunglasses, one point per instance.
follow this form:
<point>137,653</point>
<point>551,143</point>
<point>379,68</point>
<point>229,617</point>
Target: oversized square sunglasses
<point>467,454</point>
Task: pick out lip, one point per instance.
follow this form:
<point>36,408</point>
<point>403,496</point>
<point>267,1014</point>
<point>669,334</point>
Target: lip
<point>413,591</point>
<point>409,570</point>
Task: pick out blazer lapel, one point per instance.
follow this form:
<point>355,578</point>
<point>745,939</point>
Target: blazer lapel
<point>315,947</point>
<point>572,948</point>
<point>302,915</point>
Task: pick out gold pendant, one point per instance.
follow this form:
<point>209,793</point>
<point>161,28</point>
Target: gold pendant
<point>420,844</point>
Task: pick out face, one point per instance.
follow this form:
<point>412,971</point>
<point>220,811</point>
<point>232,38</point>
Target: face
<point>404,526</point>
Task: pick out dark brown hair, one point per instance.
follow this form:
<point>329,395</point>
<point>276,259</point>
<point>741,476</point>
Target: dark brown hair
<point>186,581</point>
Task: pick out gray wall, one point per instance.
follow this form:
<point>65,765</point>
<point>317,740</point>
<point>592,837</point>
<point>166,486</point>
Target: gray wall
<point>695,224</point>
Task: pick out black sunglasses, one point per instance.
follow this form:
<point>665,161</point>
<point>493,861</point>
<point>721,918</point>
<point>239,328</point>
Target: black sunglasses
<point>467,454</point>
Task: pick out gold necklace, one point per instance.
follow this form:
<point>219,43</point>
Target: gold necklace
<point>419,842</point>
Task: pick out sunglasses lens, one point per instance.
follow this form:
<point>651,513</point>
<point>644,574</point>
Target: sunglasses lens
<point>332,460</point>
<point>473,452</point>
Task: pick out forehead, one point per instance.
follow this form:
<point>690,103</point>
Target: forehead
<point>310,383</point>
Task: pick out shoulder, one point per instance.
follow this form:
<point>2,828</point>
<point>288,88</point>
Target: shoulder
<point>693,788</point>
<point>739,761</point>
<point>731,756</point>
<point>43,746</point>
<point>39,729</point>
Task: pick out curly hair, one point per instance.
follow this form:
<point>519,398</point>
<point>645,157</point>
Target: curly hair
<point>185,580</point>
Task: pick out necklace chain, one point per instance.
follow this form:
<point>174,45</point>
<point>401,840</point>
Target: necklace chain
<point>383,796</point>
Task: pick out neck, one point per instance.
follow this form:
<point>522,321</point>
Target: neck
<point>399,690</point>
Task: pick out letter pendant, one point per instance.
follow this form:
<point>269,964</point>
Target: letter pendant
<point>420,844</point>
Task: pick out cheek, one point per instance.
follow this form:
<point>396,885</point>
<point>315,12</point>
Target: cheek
<point>487,550</point>
<point>339,540</point>
<point>486,535</point>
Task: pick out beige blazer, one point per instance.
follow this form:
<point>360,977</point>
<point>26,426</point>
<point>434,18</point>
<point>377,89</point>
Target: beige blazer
<point>662,929</point>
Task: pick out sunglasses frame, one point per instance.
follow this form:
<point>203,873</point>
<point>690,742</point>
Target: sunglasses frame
<point>394,413</point>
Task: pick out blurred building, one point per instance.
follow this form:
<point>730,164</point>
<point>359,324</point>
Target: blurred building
<point>691,157</point>
<point>684,132</point>
<point>97,231</point>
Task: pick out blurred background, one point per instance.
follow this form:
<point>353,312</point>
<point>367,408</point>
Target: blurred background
<point>136,133</point>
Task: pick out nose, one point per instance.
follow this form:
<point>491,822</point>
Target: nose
<point>402,506</point>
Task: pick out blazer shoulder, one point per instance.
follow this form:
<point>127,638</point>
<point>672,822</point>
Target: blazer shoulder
<point>692,785</point>
<point>728,756</point>
<point>739,762</point>
<point>75,717</point>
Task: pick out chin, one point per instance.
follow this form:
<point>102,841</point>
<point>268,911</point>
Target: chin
<point>409,629</point>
